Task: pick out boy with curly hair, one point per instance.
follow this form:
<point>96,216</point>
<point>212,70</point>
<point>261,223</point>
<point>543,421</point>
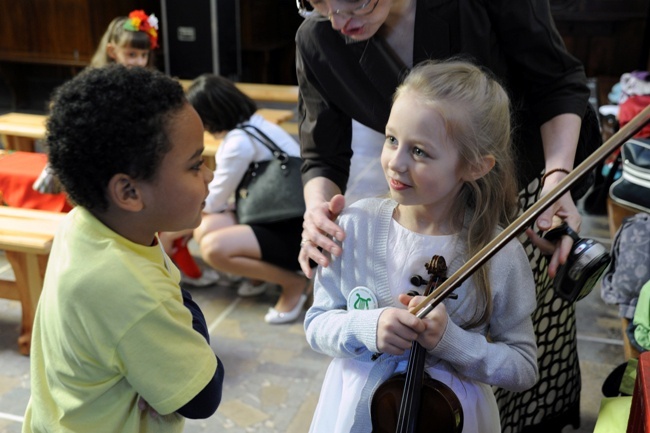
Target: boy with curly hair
<point>117,345</point>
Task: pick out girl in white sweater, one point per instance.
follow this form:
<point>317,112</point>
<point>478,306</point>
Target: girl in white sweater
<point>447,160</point>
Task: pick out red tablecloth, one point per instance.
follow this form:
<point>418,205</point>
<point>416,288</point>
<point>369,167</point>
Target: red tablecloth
<point>18,172</point>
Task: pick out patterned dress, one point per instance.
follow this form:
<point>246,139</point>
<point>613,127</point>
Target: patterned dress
<point>554,402</point>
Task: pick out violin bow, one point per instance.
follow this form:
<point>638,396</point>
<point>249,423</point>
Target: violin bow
<point>526,218</point>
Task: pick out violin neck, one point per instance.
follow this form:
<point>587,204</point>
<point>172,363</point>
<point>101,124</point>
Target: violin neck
<point>411,397</point>
<point>410,405</point>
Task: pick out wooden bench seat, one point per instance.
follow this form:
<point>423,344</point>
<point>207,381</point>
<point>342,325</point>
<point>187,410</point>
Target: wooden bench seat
<point>270,92</point>
<point>21,130</point>
<point>263,92</point>
<point>212,144</point>
<point>26,237</point>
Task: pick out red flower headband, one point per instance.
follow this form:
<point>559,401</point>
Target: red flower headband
<point>138,21</point>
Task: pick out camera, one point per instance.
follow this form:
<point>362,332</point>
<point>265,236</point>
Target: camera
<point>586,263</point>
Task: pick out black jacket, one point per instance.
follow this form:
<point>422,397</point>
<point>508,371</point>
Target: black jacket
<point>341,79</point>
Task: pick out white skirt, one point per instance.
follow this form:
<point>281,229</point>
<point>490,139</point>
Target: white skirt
<point>345,378</point>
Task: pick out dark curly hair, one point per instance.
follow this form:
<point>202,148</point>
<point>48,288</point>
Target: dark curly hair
<point>106,121</point>
<point>220,104</point>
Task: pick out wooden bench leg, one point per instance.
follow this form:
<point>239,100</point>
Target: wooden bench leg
<point>616,213</point>
<point>24,144</point>
<point>29,270</point>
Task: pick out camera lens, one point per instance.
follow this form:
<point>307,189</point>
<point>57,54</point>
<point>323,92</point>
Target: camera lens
<point>585,265</point>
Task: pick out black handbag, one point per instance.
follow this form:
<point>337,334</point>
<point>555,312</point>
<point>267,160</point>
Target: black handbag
<point>271,190</point>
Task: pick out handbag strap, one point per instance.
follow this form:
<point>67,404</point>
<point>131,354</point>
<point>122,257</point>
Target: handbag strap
<point>264,139</point>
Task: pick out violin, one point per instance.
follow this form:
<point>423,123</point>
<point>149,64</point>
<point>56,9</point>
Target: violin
<point>408,402</point>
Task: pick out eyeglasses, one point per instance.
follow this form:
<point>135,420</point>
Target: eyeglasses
<point>319,11</point>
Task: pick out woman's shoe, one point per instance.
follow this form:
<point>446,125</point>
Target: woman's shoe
<point>276,317</point>
<point>208,277</point>
<point>248,289</point>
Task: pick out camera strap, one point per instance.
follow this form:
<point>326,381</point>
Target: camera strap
<point>562,230</point>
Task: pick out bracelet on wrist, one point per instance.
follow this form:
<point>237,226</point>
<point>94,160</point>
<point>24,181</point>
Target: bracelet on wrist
<point>555,170</point>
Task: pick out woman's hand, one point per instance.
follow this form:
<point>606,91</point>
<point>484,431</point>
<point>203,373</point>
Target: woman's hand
<point>559,138</point>
<point>564,209</point>
<point>319,231</point>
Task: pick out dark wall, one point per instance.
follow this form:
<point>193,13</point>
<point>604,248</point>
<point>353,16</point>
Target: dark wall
<point>608,36</point>
<point>59,32</point>
<point>43,43</point>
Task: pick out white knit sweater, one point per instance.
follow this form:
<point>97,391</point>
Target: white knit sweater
<point>507,360</point>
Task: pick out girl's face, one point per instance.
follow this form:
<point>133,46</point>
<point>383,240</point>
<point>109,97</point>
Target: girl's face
<point>421,164</point>
<point>175,197</point>
<point>128,56</point>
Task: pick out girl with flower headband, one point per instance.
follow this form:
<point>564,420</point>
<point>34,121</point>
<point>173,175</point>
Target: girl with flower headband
<point>129,41</point>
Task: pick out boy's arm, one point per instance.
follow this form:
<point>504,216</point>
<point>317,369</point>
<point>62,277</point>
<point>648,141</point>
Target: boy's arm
<point>198,320</point>
<point>205,403</point>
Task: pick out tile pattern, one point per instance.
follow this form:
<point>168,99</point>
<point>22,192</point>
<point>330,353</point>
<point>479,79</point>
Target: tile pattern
<point>273,378</point>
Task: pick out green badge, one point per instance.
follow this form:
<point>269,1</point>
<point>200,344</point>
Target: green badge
<point>362,298</point>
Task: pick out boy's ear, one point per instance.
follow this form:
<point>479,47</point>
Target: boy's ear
<point>477,171</point>
<point>110,50</point>
<point>124,193</point>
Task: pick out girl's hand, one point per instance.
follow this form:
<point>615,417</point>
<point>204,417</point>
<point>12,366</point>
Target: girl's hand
<point>564,209</point>
<point>319,230</point>
<point>435,322</point>
<point>396,330</point>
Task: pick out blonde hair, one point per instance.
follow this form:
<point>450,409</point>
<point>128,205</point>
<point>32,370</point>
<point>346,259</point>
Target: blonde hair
<point>476,112</point>
<point>117,35</point>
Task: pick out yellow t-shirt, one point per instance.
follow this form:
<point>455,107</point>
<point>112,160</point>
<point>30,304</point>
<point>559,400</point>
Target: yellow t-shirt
<point>110,327</point>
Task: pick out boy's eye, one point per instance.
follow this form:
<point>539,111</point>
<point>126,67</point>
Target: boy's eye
<point>391,140</point>
<point>198,165</point>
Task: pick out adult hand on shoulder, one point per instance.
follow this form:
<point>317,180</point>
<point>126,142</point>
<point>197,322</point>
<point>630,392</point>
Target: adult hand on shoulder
<point>564,209</point>
<point>319,230</point>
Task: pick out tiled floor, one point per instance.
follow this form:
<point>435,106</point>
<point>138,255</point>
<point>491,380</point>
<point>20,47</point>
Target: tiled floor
<point>273,378</point>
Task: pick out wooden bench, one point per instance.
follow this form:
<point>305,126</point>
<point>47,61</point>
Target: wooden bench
<point>212,144</point>
<point>22,130</point>
<point>26,236</point>
<point>270,92</point>
<point>263,92</point>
